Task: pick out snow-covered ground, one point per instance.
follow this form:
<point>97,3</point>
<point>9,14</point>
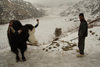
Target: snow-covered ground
<point>37,57</point>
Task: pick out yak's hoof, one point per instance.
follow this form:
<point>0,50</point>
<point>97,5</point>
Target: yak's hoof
<point>23,59</point>
<point>17,59</point>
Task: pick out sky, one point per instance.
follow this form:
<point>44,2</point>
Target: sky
<point>52,2</point>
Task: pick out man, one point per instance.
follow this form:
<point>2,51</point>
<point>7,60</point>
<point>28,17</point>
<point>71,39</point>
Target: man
<point>82,34</point>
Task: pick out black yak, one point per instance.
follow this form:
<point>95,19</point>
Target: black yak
<point>18,35</point>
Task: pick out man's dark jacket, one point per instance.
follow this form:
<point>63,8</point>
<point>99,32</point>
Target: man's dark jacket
<point>83,29</point>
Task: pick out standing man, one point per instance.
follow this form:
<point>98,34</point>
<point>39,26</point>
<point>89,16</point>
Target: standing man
<point>82,34</point>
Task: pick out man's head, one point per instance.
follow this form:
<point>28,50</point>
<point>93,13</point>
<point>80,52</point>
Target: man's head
<point>81,17</point>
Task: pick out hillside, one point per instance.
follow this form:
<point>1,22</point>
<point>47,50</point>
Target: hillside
<point>91,8</point>
<point>16,9</point>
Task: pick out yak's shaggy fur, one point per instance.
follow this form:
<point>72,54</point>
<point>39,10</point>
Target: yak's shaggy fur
<point>17,40</point>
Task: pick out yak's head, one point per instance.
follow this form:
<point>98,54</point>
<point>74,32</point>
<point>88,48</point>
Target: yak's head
<point>16,24</point>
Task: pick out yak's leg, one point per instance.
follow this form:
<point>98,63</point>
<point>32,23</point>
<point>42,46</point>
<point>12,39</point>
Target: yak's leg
<point>17,54</point>
<point>23,57</point>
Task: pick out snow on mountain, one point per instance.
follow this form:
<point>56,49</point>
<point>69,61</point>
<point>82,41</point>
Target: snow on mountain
<point>91,8</point>
<point>53,3</point>
<point>18,9</point>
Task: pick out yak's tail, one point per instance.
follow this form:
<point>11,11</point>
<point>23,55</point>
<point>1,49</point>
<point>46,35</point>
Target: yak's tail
<point>37,23</point>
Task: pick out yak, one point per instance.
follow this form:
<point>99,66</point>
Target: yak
<point>18,35</point>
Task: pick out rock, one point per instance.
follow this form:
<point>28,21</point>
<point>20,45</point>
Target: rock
<point>96,35</point>
<point>74,45</point>
<point>93,33</point>
<point>65,48</point>
<point>43,48</point>
<point>90,31</point>
<point>54,47</point>
<point>46,50</point>
<point>99,39</point>
<point>50,47</point>
<point>57,44</point>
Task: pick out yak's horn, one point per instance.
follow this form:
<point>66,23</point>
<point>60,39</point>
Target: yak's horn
<point>12,29</point>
